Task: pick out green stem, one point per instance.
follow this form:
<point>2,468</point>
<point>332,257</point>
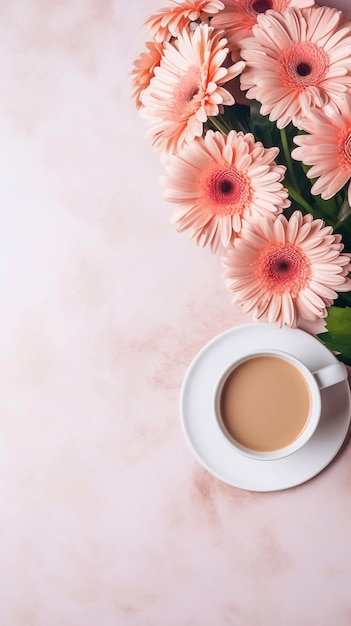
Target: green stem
<point>219,125</point>
<point>337,225</point>
<point>300,200</point>
<point>287,155</point>
<point>293,188</point>
<point>225,126</point>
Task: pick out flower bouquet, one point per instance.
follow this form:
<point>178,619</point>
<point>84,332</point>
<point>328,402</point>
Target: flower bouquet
<point>249,104</point>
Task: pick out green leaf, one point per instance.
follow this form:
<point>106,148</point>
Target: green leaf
<point>260,126</point>
<point>338,335</point>
<point>234,118</point>
<point>238,117</point>
<point>343,300</point>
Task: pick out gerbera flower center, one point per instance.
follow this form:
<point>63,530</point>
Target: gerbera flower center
<point>183,95</point>
<point>345,149</point>
<point>261,6</point>
<point>303,64</point>
<point>303,69</point>
<point>224,190</point>
<point>283,268</point>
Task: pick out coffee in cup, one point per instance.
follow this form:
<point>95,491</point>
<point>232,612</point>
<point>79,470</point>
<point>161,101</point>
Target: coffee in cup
<point>268,404</point>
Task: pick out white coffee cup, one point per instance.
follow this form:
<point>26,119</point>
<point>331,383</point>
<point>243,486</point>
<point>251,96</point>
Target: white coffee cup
<point>268,403</point>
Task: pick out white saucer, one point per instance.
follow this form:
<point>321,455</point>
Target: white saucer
<point>202,431</point>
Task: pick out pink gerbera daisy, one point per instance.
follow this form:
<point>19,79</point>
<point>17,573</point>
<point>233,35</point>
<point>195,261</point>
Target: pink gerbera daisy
<point>143,70</point>
<point>297,61</point>
<point>239,16</point>
<point>328,149</point>
<point>170,22</point>
<point>219,180</point>
<point>283,270</point>
<point>186,89</point>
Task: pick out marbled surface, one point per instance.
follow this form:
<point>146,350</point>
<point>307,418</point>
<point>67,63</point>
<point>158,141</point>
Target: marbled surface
<point>106,518</point>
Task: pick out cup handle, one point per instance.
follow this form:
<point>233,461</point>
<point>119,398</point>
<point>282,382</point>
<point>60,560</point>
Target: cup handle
<point>330,375</point>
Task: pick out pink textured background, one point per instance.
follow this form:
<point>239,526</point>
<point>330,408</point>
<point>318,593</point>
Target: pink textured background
<point>106,519</point>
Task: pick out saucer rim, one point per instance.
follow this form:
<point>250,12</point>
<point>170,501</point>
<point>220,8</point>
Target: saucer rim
<point>267,332</point>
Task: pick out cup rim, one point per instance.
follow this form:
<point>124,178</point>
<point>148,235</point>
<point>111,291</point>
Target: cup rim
<point>311,422</point>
